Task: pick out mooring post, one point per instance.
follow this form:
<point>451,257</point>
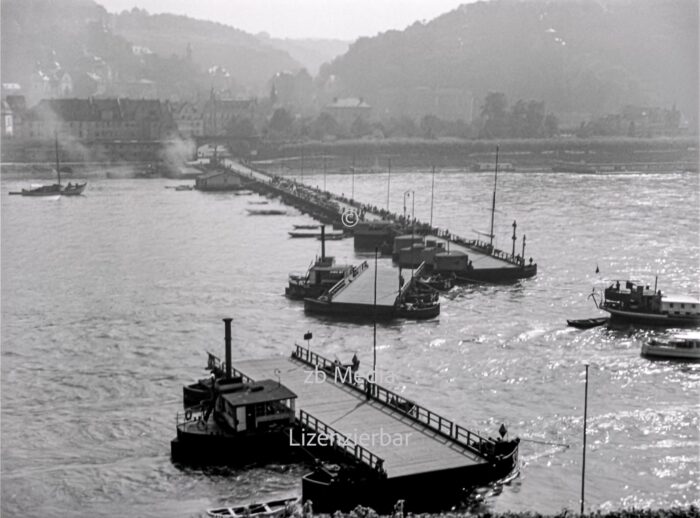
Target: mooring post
<point>585,419</point>
<point>227,341</point>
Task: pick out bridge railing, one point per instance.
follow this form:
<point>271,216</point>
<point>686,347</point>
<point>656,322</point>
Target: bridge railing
<point>457,433</point>
<point>341,442</point>
<point>407,285</point>
<point>338,286</point>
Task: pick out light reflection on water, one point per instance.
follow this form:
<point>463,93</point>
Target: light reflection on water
<point>111,300</point>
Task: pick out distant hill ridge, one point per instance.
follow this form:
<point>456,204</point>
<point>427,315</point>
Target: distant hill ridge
<point>578,56</point>
<point>180,55</point>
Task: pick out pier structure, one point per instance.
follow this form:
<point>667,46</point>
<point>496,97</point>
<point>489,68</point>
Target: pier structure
<point>388,447</point>
<point>469,260</point>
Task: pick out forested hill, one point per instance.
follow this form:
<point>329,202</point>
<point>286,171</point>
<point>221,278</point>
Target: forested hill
<point>81,38</point>
<point>578,56</point>
<point>251,61</point>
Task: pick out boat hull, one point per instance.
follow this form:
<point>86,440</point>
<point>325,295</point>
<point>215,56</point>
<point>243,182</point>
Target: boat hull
<point>665,352</point>
<point>496,275</point>
<point>368,311</point>
<point>201,443</point>
<point>587,323</point>
<point>447,487</point>
<point>651,319</point>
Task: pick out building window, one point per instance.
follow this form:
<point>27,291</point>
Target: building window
<point>671,304</point>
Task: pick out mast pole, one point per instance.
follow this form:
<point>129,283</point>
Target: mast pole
<point>585,418</point>
<point>352,194</point>
<point>493,202</point>
<point>325,170</point>
<point>388,184</point>
<point>374,347</point>
<point>432,194</point>
<point>58,165</point>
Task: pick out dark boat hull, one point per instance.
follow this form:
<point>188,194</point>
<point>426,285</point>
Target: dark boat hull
<point>651,319</point>
<point>368,311</point>
<point>298,292</point>
<point>447,488</point>
<point>348,310</point>
<point>587,323</point>
<point>496,275</point>
<point>207,444</point>
<point>419,313</point>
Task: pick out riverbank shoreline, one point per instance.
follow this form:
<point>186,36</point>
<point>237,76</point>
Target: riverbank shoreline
<point>675,512</point>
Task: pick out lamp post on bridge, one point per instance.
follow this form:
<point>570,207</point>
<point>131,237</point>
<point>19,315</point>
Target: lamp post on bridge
<point>412,194</point>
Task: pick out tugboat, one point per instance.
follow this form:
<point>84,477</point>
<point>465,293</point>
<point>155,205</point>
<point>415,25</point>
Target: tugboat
<point>241,422</point>
<point>638,304</point>
<point>321,277</point>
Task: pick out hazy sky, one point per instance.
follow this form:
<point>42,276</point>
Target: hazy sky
<point>342,19</point>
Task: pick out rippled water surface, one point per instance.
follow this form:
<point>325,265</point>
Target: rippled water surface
<point>110,300</point>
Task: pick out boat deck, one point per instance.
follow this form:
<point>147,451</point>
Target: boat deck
<point>480,260</point>
<point>348,411</point>
<point>361,289</point>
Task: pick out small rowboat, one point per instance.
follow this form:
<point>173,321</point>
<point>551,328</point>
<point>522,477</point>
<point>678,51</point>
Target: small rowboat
<point>587,323</point>
<point>272,509</point>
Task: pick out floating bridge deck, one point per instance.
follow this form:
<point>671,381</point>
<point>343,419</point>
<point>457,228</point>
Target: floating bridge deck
<point>427,442</point>
<point>360,289</point>
<point>328,207</point>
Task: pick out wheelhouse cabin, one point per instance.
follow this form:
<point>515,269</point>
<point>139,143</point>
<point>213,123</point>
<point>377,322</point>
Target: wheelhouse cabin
<point>257,407</point>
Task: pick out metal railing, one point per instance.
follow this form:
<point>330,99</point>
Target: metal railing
<point>445,427</point>
<point>341,442</point>
<point>408,285</point>
<point>356,270</point>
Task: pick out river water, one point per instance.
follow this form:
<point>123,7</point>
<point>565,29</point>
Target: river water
<point>110,300</point>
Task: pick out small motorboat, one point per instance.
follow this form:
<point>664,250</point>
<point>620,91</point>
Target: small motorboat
<point>681,347</point>
<point>272,509</point>
<point>587,323</point>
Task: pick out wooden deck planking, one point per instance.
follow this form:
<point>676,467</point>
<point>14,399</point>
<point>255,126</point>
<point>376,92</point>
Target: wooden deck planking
<point>350,413</point>
<point>361,289</point>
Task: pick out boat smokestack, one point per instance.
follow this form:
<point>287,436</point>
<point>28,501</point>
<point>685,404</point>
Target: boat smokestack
<point>323,242</point>
<point>227,340</point>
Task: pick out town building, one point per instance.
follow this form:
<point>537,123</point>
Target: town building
<point>189,118</point>
<point>218,113</point>
<point>98,119</point>
<point>346,111</point>
<point>218,181</point>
